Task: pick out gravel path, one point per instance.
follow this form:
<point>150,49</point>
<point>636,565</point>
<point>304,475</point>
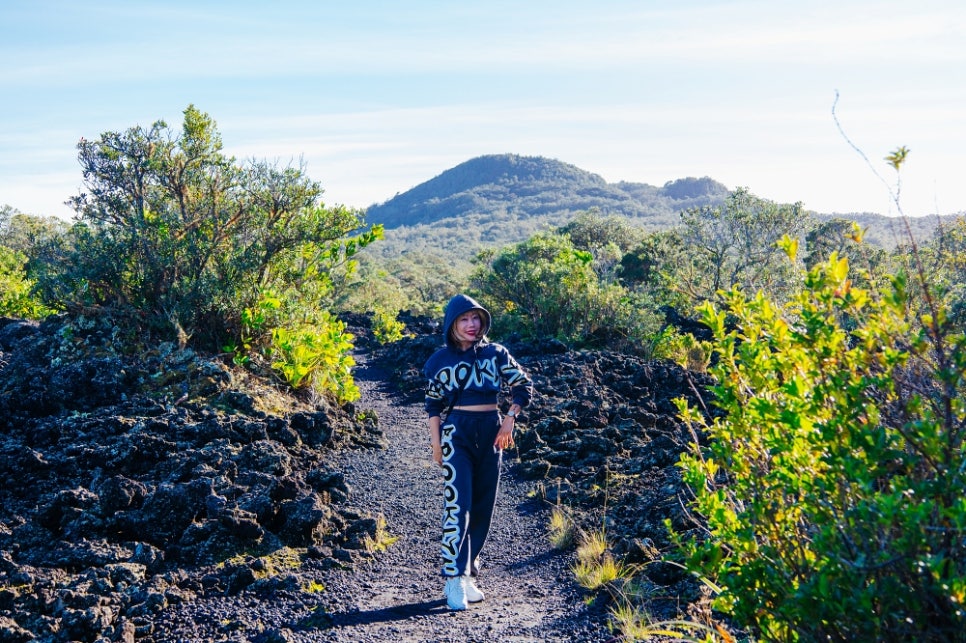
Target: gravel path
<point>398,595</point>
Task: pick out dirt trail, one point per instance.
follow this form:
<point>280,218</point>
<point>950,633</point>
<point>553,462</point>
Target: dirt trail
<point>398,595</point>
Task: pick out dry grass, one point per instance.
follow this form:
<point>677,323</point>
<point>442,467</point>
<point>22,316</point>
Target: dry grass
<point>562,529</point>
<point>595,567</point>
<point>635,624</point>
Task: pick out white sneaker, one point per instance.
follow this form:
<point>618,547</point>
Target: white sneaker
<point>473,593</point>
<point>455,593</point>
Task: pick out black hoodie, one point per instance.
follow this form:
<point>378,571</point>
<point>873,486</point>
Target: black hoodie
<point>476,375</point>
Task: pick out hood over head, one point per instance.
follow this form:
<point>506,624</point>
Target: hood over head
<point>457,306</point>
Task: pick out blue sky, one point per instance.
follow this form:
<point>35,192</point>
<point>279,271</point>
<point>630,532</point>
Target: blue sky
<point>376,97</point>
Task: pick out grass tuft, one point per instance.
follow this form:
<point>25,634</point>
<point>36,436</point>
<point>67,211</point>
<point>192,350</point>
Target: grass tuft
<point>562,529</point>
<point>595,567</point>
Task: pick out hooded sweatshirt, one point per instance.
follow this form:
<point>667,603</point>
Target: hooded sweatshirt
<point>476,375</point>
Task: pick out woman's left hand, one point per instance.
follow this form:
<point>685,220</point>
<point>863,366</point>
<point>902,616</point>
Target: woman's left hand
<point>504,437</point>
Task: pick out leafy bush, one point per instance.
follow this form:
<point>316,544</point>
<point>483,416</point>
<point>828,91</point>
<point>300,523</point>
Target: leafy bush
<point>684,349</point>
<point>386,327</point>
<point>16,289</point>
<point>945,262</point>
<point>25,233</point>
<point>178,236</point>
<point>318,355</point>
<point>831,492</point>
<point>545,287</point>
<point>172,228</point>
<point>20,237</point>
<point>256,322</point>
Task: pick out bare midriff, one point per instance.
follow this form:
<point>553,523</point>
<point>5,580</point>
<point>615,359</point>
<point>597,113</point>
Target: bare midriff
<point>476,407</point>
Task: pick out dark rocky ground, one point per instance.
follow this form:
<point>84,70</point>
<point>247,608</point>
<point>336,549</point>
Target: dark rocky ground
<point>169,496</point>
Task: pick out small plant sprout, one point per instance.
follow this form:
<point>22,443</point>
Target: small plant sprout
<point>382,539</point>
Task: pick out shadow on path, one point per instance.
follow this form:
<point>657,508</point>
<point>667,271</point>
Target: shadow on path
<point>387,614</point>
<point>537,559</point>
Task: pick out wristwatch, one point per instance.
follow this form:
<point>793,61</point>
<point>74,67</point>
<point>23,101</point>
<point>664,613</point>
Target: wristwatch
<point>512,414</point>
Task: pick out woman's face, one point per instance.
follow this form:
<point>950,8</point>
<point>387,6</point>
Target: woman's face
<point>468,327</point>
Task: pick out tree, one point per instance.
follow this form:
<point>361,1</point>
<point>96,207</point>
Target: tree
<point>606,238</point>
<point>16,288</point>
<point>945,261</point>
<point>6,213</point>
<point>657,265</point>
<point>20,237</point>
<point>192,242</point>
<point>25,233</point>
<point>171,226</point>
<point>546,287</point>
<point>736,245</point>
<point>845,238</point>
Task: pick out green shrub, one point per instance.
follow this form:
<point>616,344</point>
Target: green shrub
<point>171,227</point>
<point>545,287</point>
<point>316,356</point>
<point>684,349</point>
<point>831,495</point>
<point>386,327</point>
<point>176,235</point>
<point>256,322</point>
<point>16,289</point>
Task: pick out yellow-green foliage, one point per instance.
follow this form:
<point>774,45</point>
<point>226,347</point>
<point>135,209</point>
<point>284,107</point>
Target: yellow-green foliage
<point>684,349</point>
<point>255,320</point>
<point>16,298</point>
<point>833,487</point>
<point>562,529</point>
<point>595,574</point>
<point>270,564</point>
<point>382,539</point>
<point>386,327</point>
<point>595,566</point>
<point>317,355</point>
<point>593,546</point>
<point>635,624</point>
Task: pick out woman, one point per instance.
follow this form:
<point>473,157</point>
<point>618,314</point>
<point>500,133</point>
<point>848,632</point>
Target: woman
<point>465,379</point>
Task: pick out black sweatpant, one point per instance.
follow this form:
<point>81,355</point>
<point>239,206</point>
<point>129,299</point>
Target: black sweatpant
<point>471,467</point>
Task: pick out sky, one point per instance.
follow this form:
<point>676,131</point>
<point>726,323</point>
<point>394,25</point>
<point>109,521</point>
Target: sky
<point>796,101</point>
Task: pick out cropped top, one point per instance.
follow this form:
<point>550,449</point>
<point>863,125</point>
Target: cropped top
<point>474,376</point>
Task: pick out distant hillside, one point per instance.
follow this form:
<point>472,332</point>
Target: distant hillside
<point>492,201</point>
<point>528,187</point>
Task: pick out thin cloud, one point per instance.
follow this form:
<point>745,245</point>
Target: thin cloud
<point>378,98</point>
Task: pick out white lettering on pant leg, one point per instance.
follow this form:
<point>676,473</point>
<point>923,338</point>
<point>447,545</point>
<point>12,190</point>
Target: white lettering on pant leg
<point>451,507</point>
